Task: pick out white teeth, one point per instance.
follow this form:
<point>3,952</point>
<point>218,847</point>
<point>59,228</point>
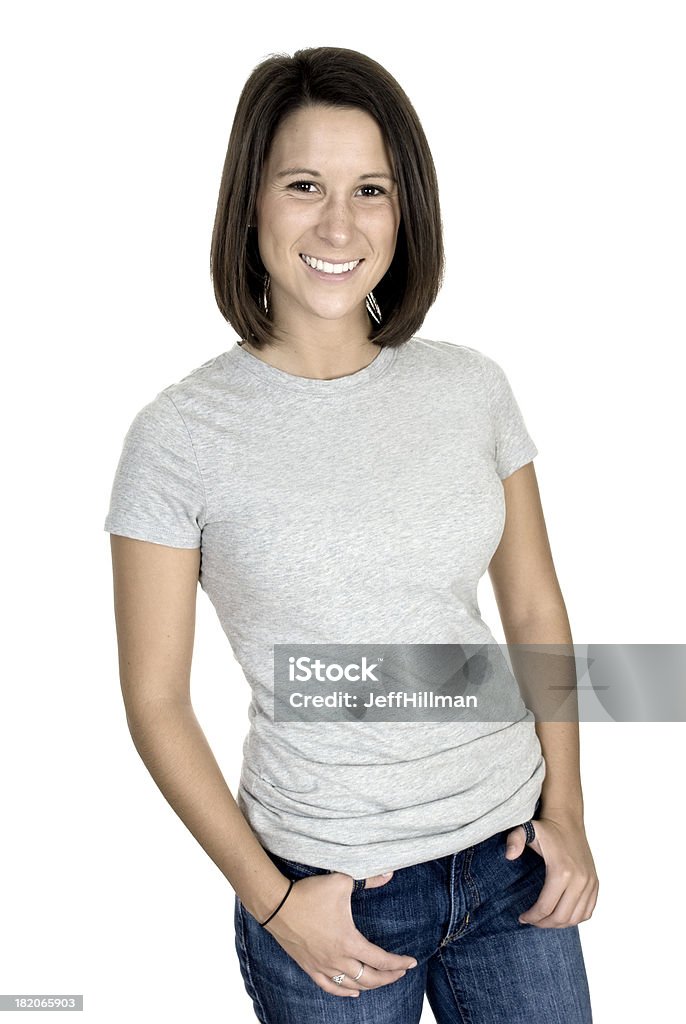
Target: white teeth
<point>329,268</point>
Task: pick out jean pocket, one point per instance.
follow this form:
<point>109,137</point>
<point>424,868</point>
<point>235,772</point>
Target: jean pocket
<point>295,869</point>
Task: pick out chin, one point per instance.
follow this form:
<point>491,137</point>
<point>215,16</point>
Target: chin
<point>338,317</point>
<point>335,312</point>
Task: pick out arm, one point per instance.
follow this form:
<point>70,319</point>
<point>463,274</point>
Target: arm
<point>155,589</point>
<point>533,611</point>
<point>154,600</point>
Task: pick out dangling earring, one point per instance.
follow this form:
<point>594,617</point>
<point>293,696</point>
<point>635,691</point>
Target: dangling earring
<point>266,293</point>
<point>373,308</point>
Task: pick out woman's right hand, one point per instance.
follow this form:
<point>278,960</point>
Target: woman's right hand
<point>315,926</point>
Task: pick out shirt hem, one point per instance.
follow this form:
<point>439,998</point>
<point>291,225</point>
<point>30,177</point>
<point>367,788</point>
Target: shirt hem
<point>136,533</point>
<point>443,845</point>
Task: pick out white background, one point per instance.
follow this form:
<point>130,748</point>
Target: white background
<point>557,131</point>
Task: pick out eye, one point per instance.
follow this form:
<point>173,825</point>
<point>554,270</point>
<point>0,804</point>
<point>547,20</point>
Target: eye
<point>377,189</point>
<point>297,186</point>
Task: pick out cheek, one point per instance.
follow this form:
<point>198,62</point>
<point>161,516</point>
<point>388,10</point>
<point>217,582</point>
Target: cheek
<point>271,245</point>
<point>386,246</point>
<point>284,226</point>
<point>382,226</point>
<point>264,247</point>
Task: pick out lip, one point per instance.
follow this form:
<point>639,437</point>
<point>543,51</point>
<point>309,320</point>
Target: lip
<point>323,276</point>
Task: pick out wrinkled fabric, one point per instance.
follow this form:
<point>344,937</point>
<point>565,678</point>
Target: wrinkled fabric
<point>362,509</point>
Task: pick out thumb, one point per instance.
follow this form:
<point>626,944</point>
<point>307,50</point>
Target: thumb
<point>374,881</point>
<point>516,841</point>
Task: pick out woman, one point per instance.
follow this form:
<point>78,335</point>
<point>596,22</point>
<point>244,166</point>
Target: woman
<point>333,478</point>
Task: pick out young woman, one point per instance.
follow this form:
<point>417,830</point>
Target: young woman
<point>333,478</point>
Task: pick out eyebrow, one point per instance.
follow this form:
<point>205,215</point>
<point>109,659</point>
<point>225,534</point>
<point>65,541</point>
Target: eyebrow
<point>315,174</point>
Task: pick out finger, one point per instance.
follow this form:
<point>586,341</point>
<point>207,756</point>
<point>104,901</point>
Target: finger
<point>592,899</point>
<point>380,959</point>
<point>587,902</point>
<point>548,899</point>
<point>374,881</point>
<point>371,978</point>
<point>371,882</point>
<point>330,986</point>
<point>515,844</point>
<point>563,914</point>
<point>588,908</point>
<point>349,967</point>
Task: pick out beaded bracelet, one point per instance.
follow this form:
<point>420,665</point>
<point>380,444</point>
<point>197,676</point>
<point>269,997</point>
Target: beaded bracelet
<point>263,923</point>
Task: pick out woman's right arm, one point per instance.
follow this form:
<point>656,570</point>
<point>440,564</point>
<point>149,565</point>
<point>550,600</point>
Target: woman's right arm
<point>155,590</point>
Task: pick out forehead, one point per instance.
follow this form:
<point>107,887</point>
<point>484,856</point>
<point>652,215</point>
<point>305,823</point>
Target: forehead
<point>329,137</point>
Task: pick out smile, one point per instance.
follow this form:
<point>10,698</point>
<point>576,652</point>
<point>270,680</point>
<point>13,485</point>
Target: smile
<point>329,268</point>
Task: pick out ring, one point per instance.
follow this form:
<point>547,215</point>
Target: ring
<point>338,978</point>
<point>359,973</point>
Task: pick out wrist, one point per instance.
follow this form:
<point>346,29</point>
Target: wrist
<point>277,920</point>
<point>568,813</point>
<point>264,903</point>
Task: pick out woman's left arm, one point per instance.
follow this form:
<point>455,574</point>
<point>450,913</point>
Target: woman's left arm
<point>533,611</point>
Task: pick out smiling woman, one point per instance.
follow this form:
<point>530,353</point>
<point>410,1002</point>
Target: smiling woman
<point>326,242</point>
<point>335,478</point>
<point>310,173</point>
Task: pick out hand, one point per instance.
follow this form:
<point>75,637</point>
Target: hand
<point>315,926</point>
<point>570,890</point>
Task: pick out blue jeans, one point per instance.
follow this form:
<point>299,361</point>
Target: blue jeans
<point>457,915</point>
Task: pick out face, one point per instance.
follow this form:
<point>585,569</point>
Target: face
<point>327,217</point>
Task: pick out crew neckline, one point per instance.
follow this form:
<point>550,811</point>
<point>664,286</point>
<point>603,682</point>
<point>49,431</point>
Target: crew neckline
<point>244,360</point>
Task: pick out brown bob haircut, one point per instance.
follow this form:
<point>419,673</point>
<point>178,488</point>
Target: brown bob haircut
<point>334,77</point>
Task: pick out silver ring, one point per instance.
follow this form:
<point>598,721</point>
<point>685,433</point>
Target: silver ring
<point>338,978</point>
<point>359,973</point>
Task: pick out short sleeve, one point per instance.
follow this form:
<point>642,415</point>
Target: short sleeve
<point>158,494</point>
<point>514,446</point>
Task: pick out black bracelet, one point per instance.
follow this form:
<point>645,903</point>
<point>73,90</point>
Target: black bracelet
<point>280,904</point>
<point>530,831</point>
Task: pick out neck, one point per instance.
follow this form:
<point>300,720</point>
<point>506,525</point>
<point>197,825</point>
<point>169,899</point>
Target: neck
<point>333,350</point>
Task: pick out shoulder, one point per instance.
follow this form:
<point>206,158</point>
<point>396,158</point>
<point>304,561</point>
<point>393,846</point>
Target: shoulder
<point>198,385</point>
<point>441,350</point>
<point>174,405</point>
<point>452,358</point>
<point>449,354</point>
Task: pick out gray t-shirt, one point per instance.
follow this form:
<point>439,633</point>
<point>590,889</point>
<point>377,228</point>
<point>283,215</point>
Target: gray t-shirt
<point>359,510</point>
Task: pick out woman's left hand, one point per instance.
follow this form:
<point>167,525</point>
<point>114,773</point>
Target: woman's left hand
<point>571,884</point>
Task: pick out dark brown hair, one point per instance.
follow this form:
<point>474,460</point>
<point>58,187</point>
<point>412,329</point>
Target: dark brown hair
<point>330,76</point>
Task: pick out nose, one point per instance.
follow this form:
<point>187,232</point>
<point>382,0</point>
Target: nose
<point>337,222</point>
